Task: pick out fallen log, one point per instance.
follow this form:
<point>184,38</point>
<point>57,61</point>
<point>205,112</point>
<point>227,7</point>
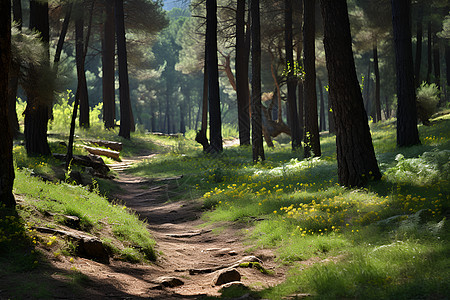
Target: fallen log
<point>92,161</point>
<point>105,152</point>
<point>116,146</point>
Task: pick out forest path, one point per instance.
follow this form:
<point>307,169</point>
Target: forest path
<point>190,249</point>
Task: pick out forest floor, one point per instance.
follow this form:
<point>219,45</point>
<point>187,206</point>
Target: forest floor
<point>188,248</point>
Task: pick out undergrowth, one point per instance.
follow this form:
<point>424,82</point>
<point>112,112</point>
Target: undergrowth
<point>388,240</point>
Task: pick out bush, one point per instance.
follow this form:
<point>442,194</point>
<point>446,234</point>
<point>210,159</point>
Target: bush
<point>427,100</point>
<point>428,168</point>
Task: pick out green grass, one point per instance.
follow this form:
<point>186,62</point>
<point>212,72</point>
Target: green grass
<point>388,240</point>
<point>95,213</point>
<point>382,241</point>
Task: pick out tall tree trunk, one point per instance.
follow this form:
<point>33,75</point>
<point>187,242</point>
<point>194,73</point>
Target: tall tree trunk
<point>355,153</point>
<point>331,124</point>
<point>419,34</point>
<point>201,137</point>
<point>291,77</point>
<point>183,110</point>
<point>160,116</point>
<point>6,155</point>
<point>215,121</point>
<point>301,117</point>
<point>312,138</point>
<point>388,112</point>
<point>429,52</point>
<point>407,133</point>
<point>323,125</point>
<point>366,88</point>
<point>124,87</point>
<point>168,96</point>
<point>376,70</point>
<point>62,36</point>
<point>241,69</point>
<point>81,53</point>
<point>108,85</point>
<point>436,60</point>
<point>447,70</point>
<point>189,103</point>
<point>81,75</point>
<point>38,106</point>
<point>257,138</point>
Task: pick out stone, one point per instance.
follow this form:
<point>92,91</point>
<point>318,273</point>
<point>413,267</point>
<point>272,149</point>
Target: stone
<point>226,276</point>
<point>75,176</point>
<point>92,247</point>
<point>233,284</point>
<point>167,281</point>
<point>249,259</point>
<point>87,246</point>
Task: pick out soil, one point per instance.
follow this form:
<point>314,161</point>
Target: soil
<point>187,247</point>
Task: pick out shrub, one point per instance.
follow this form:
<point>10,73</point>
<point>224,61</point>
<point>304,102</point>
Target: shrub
<point>427,99</point>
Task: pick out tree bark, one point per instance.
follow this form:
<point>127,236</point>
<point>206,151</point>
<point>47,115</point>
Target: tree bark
<point>6,155</point>
<point>312,138</point>
<point>38,106</point>
<point>388,112</point>
<point>447,66</point>
<point>257,138</point>
<point>301,118</point>
<point>201,137</point>
<point>291,77</point>
<point>241,69</point>
<point>331,124</point>
<point>124,87</point>
<point>419,35</point>
<point>108,41</point>
<point>168,96</point>
<point>429,52</point>
<point>366,88</point>
<point>407,133</point>
<point>376,71</point>
<point>186,99</point>
<point>355,153</point>
<point>436,60</point>
<point>215,121</point>
<point>323,125</point>
<point>62,36</point>
<point>81,75</point>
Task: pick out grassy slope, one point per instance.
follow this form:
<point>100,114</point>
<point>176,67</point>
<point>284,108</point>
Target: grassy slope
<point>388,240</point>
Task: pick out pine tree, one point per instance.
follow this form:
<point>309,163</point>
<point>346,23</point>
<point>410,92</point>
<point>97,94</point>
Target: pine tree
<point>355,153</point>
<point>407,133</point>
<point>6,156</point>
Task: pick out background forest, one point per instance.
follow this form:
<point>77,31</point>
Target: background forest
<point>165,55</point>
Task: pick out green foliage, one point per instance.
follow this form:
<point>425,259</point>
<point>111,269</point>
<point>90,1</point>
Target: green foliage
<point>427,169</point>
<point>427,99</point>
<point>63,110</point>
<point>295,70</point>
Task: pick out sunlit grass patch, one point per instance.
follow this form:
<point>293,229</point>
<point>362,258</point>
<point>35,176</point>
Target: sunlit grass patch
<point>95,212</point>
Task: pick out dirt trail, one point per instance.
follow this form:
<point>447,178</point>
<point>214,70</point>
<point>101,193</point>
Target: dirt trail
<point>187,247</point>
